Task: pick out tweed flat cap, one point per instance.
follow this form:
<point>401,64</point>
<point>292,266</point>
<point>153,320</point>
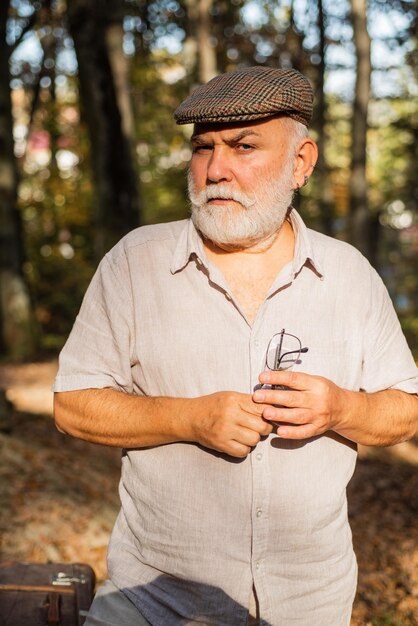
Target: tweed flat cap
<point>249,94</point>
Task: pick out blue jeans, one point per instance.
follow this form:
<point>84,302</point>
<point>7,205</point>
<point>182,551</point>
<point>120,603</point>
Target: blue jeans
<point>111,607</point>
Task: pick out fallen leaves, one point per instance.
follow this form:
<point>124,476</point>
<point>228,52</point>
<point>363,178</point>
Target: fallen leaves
<point>59,500</point>
<point>383,506</point>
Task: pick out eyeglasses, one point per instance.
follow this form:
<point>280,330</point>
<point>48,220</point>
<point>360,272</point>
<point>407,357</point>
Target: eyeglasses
<point>283,353</point>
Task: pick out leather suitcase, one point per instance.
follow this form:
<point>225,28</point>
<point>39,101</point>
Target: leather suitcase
<point>45,594</point>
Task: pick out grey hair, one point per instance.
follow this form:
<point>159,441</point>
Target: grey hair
<point>296,132</point>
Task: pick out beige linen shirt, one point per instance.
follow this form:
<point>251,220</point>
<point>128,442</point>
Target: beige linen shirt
<point>197,529</point>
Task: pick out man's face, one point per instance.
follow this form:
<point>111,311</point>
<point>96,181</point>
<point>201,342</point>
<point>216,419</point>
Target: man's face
<point>241,181</point>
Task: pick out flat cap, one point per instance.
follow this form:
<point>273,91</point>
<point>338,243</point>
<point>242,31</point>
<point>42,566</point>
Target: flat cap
<point>249,94</point>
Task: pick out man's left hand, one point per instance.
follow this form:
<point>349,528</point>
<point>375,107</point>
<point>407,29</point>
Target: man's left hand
<point>311,406</point>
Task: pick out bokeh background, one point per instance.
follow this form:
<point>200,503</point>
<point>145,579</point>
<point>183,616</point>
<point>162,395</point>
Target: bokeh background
<point>89,150</point>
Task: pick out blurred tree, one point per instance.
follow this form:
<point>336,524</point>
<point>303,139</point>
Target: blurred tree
<point>200,54</point>
<point>319,122</point>
<point>117,208</point>
<point>146,43</point>
<point>235,41</point>
<point>17,336</point>
<point>363,228</point>
<point>163,149</point>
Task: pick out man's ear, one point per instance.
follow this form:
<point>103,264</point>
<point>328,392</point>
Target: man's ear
<point>305,162</point>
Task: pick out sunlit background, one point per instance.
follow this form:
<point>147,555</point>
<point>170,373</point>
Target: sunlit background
<point>89,150</point>
<point>96,152</point>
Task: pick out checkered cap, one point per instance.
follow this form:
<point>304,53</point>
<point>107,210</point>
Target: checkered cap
<point>249,94</point>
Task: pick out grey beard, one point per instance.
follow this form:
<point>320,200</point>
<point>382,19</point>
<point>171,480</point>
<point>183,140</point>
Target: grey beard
<point>259,220</point>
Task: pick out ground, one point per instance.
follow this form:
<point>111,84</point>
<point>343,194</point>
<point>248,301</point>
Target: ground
<point>59,499</point>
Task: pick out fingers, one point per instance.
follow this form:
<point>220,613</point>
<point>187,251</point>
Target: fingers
<point>296,423</point>
<point>303,410</point>
<point>230,422</point>
<point>248,433</point>
<point>240,443</point>
<point>237,450</point>
<point>246,439</point>
<point>256,424</point>
<point>295,380</point>
<point>290,416</point>
<point>287,398</point>
<point>306,431</point>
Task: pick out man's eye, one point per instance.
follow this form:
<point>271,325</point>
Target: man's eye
<point>244,147</point>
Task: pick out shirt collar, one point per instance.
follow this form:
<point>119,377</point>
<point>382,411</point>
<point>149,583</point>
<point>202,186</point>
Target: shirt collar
<point>190,246</point>
<point>305,254</point>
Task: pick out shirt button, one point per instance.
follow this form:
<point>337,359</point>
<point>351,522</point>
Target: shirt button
<point>257,565</point>
<point>259,456</point>
<point>259,512</point>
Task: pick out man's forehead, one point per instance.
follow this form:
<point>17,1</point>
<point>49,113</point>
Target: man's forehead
<point>255,127</point>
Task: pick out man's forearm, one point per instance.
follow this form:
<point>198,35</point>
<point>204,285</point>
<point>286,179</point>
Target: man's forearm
<point>312,405</point>
<point>113,418</point>
<point>227,421</point>
<point>383,418</point>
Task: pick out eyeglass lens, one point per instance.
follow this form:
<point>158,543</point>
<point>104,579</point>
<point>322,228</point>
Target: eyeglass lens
<point>283,351</point>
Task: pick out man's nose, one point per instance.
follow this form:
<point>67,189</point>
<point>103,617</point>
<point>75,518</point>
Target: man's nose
<point>219,166</point>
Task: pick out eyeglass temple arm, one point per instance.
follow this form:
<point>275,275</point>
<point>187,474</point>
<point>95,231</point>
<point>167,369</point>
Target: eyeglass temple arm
<point>279,350</point>
<point>302,350</point>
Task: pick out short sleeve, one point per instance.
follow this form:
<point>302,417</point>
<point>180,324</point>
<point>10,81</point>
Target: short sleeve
<point>99,350</point>
<point>387,359</point>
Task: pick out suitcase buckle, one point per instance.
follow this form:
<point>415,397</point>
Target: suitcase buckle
<point>63,579</point>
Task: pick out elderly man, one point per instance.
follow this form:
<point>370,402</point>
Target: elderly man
<point>237,358</point>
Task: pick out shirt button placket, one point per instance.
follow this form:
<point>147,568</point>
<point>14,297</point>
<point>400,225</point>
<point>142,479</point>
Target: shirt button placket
<point>260,472</point>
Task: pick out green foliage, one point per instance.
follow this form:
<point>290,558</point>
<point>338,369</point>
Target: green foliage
<point>57,204</point>
<point>387,620</point>
<point>162,148</point>
<point>393,196</point>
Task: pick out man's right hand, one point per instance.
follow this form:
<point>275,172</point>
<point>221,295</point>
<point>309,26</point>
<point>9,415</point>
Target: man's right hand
<point>225,421</point>
<point>229,422</point>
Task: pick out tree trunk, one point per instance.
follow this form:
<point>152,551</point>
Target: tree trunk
<point>294,42</point>
<point>200,56</point>
<point>206,52</point>
<point>117,207</point>
<point>120,70</point>
<point>17,336</point>
<point>322,174</point>
<point>362,227</point>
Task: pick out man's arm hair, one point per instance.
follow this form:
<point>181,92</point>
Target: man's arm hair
<point>383,418</point>
<point>312,405</point>
<point>229,422</point>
